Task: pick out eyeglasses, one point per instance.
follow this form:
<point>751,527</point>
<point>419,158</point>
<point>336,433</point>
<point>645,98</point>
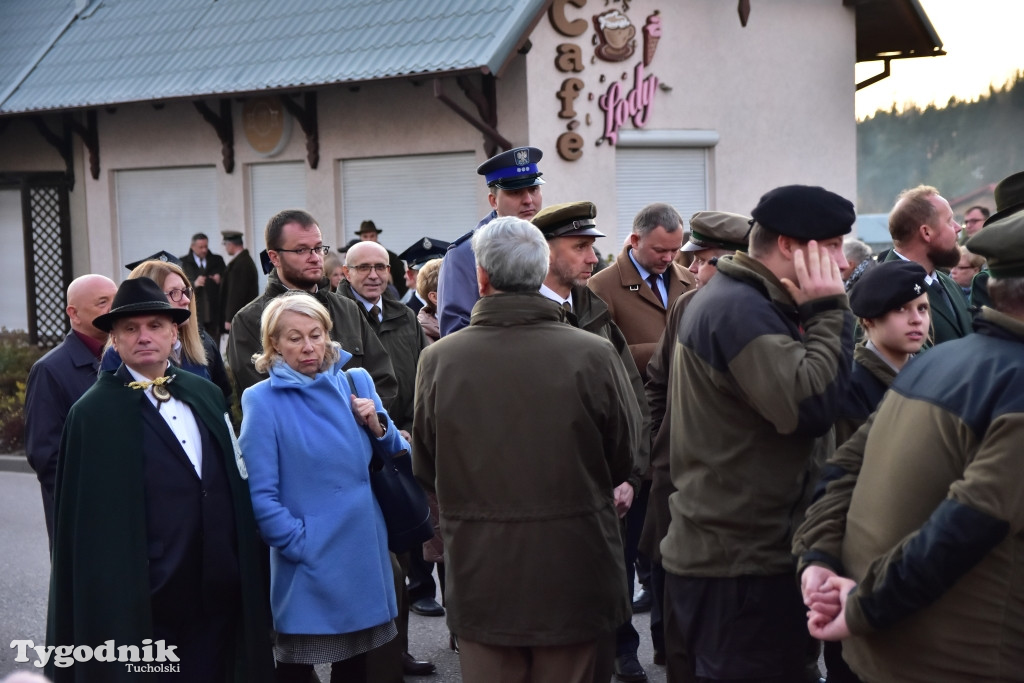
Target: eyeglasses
<point>176,294</point>
<point>322,250</point>
<point>364,268</point>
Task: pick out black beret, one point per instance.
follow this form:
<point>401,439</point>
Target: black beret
<point>886,287</point>
<point>805,212</point>
<point>1002,245</point>
<point>572,219</point>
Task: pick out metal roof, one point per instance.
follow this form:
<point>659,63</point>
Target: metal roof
<point>117,51</point>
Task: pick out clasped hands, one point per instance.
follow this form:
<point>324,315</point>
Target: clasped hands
<point>825,594</point>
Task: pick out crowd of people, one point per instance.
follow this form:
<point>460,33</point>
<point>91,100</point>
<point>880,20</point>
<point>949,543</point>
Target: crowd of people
<point>785,439</point>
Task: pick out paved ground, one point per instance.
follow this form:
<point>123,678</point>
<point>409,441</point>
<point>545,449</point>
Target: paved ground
<point>24,576</point>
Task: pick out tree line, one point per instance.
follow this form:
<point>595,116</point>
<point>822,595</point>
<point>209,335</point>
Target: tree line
<point>957,148</point>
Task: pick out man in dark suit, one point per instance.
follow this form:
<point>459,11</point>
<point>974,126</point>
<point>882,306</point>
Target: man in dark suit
<point>241,282</point>
<point>205,269</point>
<point>154,536</point>
<point>59,378</point>
<point>639,288</point>
<point>924,230</point>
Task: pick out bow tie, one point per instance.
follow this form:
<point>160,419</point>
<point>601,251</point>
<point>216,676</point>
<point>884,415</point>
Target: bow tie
<point>160,392</point>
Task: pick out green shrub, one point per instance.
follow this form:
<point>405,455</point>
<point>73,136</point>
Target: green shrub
<point>16,358</point>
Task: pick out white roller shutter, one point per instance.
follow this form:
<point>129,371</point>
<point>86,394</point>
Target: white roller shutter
<point>13,311</point>
<point>410,197</point>
<point>162,208</point>
<point>272,188</point>
<point>644,175</point>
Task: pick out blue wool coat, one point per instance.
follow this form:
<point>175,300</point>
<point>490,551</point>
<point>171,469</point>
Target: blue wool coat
<point>308,461</point>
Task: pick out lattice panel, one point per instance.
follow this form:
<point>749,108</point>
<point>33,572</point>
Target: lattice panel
<point>48,245</point>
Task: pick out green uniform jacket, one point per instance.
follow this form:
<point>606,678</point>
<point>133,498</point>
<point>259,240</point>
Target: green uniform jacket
<point>99,584</point>
<point>524,425</point>
<point>403,339</point>
<point>946,325</point>
<point>591,313</point>
<point>935,530</point>
<point>755,386</point>
<point>351,330</point>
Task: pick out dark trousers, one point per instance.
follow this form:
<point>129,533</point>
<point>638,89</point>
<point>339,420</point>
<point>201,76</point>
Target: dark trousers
<point>627,640</point>
<point>657,588</point>
<point>351,670</point>
<point>744,628</point>
<point>421,581</point>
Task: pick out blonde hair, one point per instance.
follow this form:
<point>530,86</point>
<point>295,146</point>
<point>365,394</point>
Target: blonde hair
<point>192,348</point>
<point>270,327</point>
<point>976,260</point>
<point>912,210</point>
<point>426,281</point>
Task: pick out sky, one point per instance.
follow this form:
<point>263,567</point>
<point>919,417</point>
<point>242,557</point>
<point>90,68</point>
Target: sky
<point>982,40</point>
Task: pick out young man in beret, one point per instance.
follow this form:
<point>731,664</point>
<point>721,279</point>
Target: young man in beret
<point>154,536</point>
<point>932,546</point>
<point>761,362</point>
<point>513,186</point>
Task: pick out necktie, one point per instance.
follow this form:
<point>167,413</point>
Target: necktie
<point>374,314</point>
<point>940,292</point>
<point>652,279</point>
<point>567,307</point>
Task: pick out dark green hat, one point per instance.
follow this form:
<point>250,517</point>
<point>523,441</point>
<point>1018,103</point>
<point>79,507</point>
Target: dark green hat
<point>572,219</point>
<point>718,230</point>
<point>231,236</point>
<point>1002,245</point>
<point>139,296</point>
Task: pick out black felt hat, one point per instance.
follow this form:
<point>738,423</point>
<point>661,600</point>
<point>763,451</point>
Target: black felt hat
<point>368,226</point>
<point>886,287</point>
<point>1009,194</point>
<point>139,296</point>
<point>805,212</point>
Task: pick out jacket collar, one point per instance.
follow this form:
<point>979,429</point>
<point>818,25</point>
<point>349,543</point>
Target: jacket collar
<point>742,267</point>
<point>510,309</point>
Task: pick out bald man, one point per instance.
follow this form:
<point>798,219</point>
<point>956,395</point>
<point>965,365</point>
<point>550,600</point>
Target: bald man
<point>59,378</point>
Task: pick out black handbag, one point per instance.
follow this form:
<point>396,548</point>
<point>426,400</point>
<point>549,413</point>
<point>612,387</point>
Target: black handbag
<point>401,498</point>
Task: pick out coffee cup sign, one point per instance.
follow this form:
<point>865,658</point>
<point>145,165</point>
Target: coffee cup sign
<point>615,40</point>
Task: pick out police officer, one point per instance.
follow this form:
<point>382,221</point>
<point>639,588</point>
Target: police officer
<point>513,185</point>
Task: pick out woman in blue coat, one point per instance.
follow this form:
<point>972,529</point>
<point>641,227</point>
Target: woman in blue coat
<point>305,442</point>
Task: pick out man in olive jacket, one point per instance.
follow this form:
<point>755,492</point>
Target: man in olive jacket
<point>296,249</point>
<point>523,427</point>
<point>762,359</point>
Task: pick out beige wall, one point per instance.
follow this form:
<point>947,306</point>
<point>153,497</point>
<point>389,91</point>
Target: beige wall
<point>779,93</point>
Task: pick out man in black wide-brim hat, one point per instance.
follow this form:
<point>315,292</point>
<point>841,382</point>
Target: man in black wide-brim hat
<point>155,545</point>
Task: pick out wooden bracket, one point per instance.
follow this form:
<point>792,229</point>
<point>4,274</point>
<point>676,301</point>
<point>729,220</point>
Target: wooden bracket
<point>306,116</point>
<point>61,143</point>
<point>224,127</point>
<point>90,138</point>
<point>485,100</point>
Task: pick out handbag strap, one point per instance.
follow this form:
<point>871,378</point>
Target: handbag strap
<point>375,460</point>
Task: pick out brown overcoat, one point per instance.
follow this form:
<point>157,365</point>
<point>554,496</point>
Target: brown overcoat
<point>634,307</point>
<point>523,426</point>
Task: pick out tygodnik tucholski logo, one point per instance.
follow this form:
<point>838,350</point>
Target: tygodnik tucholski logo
<point>150,657</point>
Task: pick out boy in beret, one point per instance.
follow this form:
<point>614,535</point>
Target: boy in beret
<point>924,585</point>
<point>761,362</point>
<point>891,301</point>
